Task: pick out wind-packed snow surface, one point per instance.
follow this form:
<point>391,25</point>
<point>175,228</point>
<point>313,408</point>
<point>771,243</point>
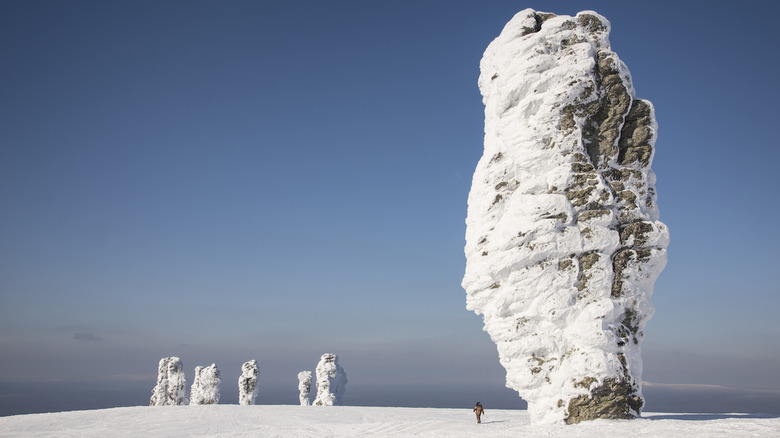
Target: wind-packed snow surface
<point>352,421</point>
<point>563,242</point>
<point>171,384</point>
<point>331,381</point>
<point>205,386</point>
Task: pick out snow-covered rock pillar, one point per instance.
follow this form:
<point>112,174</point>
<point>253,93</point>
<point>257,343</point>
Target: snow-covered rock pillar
<point>304,387</point>
<point>171,384</point>
<point>563,242</point>
<point>247,383</point>
<point>205,386</point>
<point>331,381</point>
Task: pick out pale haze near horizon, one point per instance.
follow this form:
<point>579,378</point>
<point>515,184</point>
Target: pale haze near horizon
<point>226,181</point>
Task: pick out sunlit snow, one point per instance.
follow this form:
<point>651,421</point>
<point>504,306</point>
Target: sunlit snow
<point>350,421</point>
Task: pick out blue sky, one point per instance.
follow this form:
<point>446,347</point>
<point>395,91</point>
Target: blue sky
<point>227,181</point>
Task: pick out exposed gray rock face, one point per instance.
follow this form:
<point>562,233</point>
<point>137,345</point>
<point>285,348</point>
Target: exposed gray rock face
<point>171,384</point>
<point>563,241</point>
<point>205,386</point>
<point>247,383</point>
<point>331,381</point>
<point>304,387</point>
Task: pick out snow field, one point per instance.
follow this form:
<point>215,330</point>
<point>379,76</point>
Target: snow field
<point>355,421</point>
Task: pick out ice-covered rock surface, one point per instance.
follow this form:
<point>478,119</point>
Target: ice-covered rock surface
<point>563,242</point>
<point>331,381</point>
<point>171,384</point>
<point>205,386</point>
<point>247,383</point>
<point>304,387</point>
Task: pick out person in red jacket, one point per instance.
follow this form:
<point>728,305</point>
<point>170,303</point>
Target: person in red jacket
<point>479,410</point>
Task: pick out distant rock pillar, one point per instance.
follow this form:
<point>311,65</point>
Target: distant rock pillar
<point>247,383</point>
<point>331,381</point>
<point>304,387</point>
<point>205,386</point>
<point>171,384</point>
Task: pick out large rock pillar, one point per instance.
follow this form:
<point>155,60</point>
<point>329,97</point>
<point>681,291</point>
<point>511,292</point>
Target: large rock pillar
<point>563,241</point>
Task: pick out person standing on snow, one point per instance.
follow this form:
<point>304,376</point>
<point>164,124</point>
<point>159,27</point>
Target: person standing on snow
<point>479,410</point>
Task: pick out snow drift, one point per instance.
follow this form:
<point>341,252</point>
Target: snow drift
<point>563,242</point>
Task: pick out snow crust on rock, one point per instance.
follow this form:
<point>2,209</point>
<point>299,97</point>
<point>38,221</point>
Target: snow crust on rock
<point>205,386</point>
<point>171,384</point>
<point>563,241</point>
<point>304,387</point>
<point>247,383</point>
<point>331,381</point>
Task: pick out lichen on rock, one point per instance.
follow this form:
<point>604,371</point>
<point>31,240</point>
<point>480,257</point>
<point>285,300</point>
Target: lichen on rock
<point>563,241</point>
<point>613,399</point>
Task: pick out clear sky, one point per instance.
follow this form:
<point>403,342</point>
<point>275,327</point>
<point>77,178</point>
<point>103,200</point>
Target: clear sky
<point>275,180</point>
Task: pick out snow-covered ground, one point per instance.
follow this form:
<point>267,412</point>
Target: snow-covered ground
<point>352,421</point>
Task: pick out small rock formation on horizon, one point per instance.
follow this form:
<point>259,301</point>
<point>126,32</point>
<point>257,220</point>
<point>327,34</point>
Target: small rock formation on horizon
<point>331,381</point>
<point>205,386</point>
<point>247,383</point>
<point>563,241</point>
<point>304,387</point>
<point>171,384</point>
